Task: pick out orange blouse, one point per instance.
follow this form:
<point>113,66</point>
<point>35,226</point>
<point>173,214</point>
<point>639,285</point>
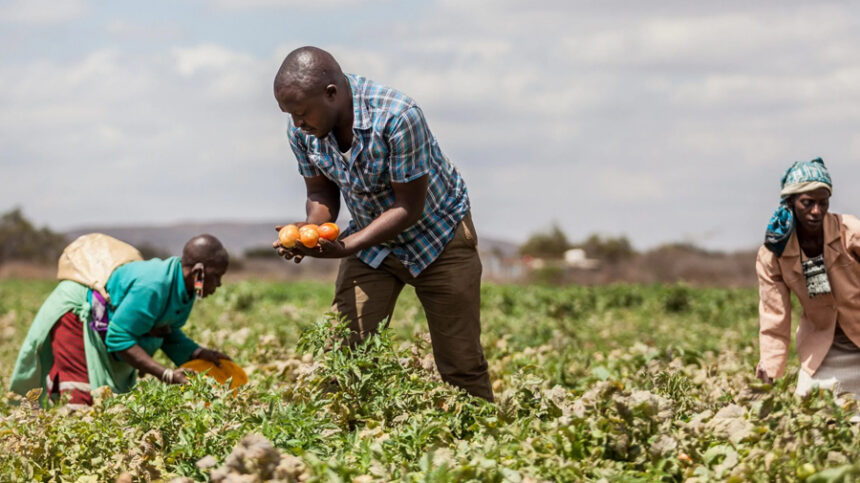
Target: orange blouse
<point>780,276</point>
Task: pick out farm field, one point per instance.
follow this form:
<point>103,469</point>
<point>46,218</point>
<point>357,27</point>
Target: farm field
<point>616,383</point>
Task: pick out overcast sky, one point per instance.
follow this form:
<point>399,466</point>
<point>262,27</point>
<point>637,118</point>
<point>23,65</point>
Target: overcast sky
<point>663,121</point>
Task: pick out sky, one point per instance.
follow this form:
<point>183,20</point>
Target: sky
<point>662,121</point>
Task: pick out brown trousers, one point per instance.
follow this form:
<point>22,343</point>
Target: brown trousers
<point>450,292</point>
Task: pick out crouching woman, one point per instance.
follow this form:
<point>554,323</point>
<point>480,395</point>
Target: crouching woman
<point>79,341</point>
<point>813,254</point>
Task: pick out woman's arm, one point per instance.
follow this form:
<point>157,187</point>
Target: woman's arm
<point>136,357</point>
<point>851,227</point>
<point>774,316</point>
<point>181,349</point>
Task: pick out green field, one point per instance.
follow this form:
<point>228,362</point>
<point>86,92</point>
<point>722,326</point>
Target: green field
<point>619,383</point>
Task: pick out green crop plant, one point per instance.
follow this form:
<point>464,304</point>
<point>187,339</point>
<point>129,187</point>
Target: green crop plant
<point>615,383</point>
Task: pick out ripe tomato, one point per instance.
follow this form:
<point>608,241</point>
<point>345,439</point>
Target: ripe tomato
<point>288,236</point>
<point>308,227</point>
<point>329,231</point>
<point>309,237</point>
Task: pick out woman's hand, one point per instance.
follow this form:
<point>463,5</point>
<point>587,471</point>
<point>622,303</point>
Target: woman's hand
<point>761,374</point>
<point>210,355</point>
<point>180,376</point>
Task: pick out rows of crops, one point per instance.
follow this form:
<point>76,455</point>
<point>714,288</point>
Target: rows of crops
<point>621,383</point>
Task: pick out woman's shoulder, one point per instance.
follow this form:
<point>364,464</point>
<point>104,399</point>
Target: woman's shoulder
<point>766,261</point>
<point>849,221</point>
<point>152,268</point>
<point>849,230</point>
<point>153,274</point>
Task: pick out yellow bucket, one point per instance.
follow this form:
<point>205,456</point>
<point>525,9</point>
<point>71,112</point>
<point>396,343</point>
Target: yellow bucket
<point>221,374</point>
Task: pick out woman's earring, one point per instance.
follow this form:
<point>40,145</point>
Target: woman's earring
<point>198,280</point>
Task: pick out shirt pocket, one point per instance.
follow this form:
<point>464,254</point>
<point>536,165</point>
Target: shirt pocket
<point>326,164</point>
<point>792,275</point>
<point>844,273</point>
<point>369,177</point>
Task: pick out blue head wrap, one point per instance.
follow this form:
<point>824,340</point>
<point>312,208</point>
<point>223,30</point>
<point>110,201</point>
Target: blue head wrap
<point>801,177</point>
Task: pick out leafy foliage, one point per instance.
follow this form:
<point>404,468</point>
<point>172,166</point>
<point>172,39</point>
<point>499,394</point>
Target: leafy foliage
<point>608,249</point>
<point>551,244</point>
<point>20,240</point>
<point>618,383</point>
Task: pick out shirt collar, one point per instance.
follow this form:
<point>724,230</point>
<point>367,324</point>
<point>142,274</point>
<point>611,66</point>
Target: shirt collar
<point>831,234</point>
<point>831,228</point>
<point>179,283</point>
<point>359,107</point>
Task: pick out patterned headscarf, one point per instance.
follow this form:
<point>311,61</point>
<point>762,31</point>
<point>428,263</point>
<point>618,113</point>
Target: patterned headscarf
<point>801,177</point>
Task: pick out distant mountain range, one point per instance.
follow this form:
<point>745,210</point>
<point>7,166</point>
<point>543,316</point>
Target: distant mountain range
<point>238,237</point>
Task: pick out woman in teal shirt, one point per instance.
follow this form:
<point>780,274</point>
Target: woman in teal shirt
<point>78,342</point>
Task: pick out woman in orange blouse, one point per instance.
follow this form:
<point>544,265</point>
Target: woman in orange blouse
<point>815,255</point>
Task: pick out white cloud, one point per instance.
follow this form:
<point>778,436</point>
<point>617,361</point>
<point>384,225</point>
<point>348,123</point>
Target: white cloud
<point>42,12</point>
<point>286,4</point>
<point>208,57</point>
<point>126,29</point>
<point>118,136</point>
<point>642,120</point>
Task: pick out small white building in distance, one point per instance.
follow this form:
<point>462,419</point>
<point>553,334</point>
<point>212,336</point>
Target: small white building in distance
<point>576,258</point>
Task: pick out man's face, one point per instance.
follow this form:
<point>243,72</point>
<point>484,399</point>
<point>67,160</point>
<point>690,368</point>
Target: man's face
<point>810,209</point>
<point>313,113</point>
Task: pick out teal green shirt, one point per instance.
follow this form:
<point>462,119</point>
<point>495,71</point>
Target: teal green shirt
<point>146,295</point>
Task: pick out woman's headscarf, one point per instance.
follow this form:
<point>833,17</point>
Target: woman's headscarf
<point>801,177</point>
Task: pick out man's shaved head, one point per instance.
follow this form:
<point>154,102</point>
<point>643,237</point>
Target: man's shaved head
<point>308,70</point>
<point>312,89</point>
<point>205,249</point>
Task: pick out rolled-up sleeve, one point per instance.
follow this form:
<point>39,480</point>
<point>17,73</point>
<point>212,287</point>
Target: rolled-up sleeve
<point>410,147</point>
<point>300,151</point>
<point>134,317</point>
<point>774,314</point>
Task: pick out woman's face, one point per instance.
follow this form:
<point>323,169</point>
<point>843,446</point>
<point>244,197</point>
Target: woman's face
<point>810,208</point>
<point>212,278</point>
<point>211,274</point>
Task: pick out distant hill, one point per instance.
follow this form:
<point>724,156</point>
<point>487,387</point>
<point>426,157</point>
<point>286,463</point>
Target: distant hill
<point>236,236</point>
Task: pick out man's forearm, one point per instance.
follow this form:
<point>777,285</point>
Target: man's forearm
<point>409,199</point>
<point>387,226</point>
<point>322,210</point>
<point>323,200</point>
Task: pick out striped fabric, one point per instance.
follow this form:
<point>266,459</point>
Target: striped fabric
<point>392,143</point>
<point>802,173</point>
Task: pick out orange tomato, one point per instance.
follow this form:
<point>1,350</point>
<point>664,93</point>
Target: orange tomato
<point>329,231</point>
<point>308,227</point>
<point>309,237</point>
<point>288,236</point>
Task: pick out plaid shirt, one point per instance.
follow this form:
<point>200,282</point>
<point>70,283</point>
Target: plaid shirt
<point>391,144</point>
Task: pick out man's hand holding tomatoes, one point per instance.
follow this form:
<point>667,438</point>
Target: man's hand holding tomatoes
<point>299,240</point>
<point>279,244</point>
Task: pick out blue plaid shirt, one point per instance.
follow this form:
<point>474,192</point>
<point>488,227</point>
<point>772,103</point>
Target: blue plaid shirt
<point>391,144</point>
